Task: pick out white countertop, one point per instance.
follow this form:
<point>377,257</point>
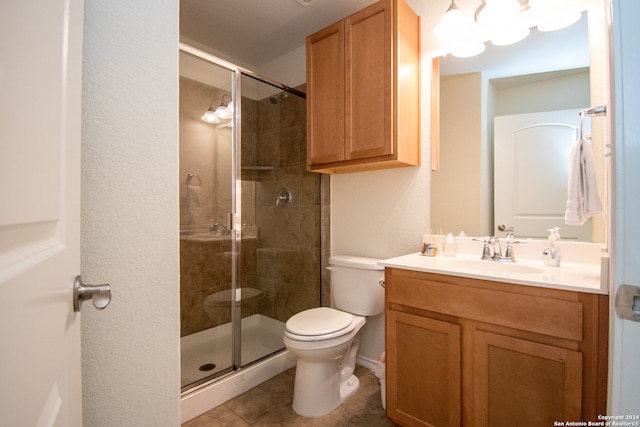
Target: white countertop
<point>569,276</point>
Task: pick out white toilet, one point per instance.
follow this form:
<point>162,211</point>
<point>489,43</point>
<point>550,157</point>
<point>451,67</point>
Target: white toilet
<point>325,340</point>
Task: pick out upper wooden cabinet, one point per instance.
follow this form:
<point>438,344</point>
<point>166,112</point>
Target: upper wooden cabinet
<point>363,91</point>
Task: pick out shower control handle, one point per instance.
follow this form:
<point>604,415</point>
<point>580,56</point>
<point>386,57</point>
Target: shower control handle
<point>283,198</point>
<point>100,295</point>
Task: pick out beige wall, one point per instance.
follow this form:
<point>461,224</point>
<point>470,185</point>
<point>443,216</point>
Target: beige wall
<point>457,187</point>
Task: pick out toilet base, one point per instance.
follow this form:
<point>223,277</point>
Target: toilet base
<point>349,387</point>
<point>316,398</point>
<point>324,372</point>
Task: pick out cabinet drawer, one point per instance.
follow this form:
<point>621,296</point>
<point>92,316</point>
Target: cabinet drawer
<point>466,298</point>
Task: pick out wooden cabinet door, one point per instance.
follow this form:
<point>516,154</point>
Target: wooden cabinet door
<point>325,106</point>
<point>368,56</point>
<point>423,370</point>
<point>519,382</point>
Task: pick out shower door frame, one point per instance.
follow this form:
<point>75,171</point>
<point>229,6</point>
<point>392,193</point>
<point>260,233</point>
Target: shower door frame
<point>236,208</point>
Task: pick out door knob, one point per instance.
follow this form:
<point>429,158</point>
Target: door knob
<point>99,294</point>
<point>628,302</point>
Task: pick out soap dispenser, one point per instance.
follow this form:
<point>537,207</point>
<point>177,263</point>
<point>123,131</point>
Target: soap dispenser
<point>551,253</point>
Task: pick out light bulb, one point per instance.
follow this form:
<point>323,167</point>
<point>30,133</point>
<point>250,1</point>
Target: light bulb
<point>210,117</point>
<point>222,112</point>
<point>453,24</point>
<point>495,12</point>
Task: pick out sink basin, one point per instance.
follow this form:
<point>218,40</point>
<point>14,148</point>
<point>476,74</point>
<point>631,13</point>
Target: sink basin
<point>492,266</point>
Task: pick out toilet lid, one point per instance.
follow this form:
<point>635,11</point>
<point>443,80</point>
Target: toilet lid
<point>319,321</point>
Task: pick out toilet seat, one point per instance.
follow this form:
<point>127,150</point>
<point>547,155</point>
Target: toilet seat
<point>319,324</point>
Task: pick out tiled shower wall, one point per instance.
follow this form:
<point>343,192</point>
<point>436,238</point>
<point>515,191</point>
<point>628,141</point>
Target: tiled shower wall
<point>288,256</point>
<point>284,262</point>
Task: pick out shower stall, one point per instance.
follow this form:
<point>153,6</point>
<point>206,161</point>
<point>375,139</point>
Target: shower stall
<point>250,246</point>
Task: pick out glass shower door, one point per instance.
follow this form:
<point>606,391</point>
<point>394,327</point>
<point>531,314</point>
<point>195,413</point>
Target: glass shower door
<point>206,201</point>
<point>279,267</point>
<point>249,218</point>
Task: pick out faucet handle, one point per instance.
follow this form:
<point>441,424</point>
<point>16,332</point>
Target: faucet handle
<point>508,230</point>
<point>217,226</point>
<point>509,251</point>
<point>486,250</point>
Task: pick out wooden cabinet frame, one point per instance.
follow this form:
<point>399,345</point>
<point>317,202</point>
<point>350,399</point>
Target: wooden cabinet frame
<point>506,332</point>
<point>363,91</point>
<point>493,407</point>
<point>418,401</point>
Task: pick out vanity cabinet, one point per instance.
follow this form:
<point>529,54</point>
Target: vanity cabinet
<point>471,352</point>
<point>363,91</point>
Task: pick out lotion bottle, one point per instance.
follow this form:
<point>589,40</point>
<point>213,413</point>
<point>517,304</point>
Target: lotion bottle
<point>551,253</point>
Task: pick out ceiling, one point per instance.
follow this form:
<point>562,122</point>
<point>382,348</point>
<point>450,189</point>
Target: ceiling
<point>251,33</point>
<point>258,31</point>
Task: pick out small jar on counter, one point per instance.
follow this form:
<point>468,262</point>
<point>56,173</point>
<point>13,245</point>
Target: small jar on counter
<point>450,245</point>
<point>429,248</point>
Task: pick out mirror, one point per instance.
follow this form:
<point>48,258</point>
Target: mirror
<point>561,70</point>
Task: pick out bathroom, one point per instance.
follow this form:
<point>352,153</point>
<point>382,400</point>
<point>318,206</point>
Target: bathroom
<point>343,209</point>
<point>393,217</point>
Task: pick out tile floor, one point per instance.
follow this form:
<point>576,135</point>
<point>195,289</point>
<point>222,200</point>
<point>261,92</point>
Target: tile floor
<point>269,404</point>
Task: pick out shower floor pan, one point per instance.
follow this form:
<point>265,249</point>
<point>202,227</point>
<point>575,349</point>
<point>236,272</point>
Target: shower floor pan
<point>261,336</point>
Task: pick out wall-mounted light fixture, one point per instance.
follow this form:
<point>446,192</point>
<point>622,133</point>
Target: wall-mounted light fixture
<point>454,24</point>
<point>496,12</point>
<point>460,31</point>
<point>500,20</point>
<point>503,22</point>
<point>223,111</point>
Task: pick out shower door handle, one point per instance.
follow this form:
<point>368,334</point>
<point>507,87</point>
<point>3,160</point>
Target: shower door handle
<point>100,295</point>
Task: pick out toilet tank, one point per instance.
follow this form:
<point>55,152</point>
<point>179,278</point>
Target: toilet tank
<point>355,285</point>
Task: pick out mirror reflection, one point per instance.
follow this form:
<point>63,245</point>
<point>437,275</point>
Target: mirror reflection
<point>546,72</point>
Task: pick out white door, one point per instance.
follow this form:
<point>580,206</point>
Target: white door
<point>624,398</point>
<point>40,88</point>
<point>531,172</point>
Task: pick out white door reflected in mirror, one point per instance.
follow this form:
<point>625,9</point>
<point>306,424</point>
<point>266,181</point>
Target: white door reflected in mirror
<point>531,172</point>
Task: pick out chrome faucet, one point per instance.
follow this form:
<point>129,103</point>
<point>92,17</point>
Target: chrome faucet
<point>489,244</point>
<point>216,226</point>
<point>494,243</point>
<point>497,248</point>
<point>492,249</point>
<point>511,240</point>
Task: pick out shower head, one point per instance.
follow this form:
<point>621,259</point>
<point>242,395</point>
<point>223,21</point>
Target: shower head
<point>274,99</point>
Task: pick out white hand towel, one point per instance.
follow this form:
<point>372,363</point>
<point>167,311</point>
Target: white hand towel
<point>582,195</point>
<point>193,196</point>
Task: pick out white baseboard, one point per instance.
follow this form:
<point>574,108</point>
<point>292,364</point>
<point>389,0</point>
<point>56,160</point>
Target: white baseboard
<point>366,362</point>
<point>217,393</point>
